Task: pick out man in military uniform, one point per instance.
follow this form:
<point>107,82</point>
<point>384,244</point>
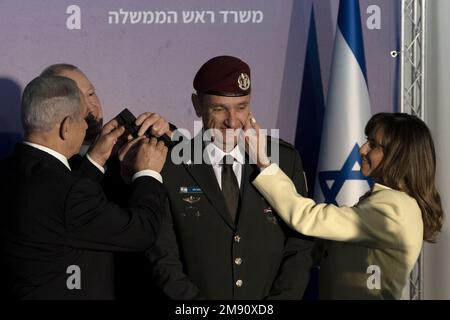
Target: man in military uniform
<point>221,239</point>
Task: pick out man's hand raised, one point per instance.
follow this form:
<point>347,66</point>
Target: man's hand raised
<point>102,148</point>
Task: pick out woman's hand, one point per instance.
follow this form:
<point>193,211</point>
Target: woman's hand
<point>255,142</point>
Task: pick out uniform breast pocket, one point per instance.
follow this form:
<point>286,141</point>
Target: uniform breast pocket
<point>190,205</point>
<point>268,213</point>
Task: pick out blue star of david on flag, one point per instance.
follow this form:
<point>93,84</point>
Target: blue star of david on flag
<point>346,113</point>
<point>347,172</point>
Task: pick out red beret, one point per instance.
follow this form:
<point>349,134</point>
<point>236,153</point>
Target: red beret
<point>223,76</point>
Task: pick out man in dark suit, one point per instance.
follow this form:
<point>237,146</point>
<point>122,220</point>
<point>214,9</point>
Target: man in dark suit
<point>132,278</point>
<point>58,229</point>
<point>221,239</point>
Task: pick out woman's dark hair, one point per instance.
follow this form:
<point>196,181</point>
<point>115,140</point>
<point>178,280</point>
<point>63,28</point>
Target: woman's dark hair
<point>409,164</point>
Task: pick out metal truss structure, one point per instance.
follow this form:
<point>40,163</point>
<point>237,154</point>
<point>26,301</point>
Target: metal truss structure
<point>412,85</point>
<point>413,57</point>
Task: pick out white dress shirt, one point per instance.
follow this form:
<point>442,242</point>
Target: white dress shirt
<point>51,152</point>
<point>215,156</point>
<point>149,173</point>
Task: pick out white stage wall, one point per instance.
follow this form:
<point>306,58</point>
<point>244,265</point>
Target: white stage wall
<point>437,256</point>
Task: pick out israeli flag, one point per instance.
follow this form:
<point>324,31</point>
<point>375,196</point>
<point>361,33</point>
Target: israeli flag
<point>347,111</point>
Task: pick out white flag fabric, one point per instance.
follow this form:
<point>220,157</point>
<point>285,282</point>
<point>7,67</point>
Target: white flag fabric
<point>347,111</point>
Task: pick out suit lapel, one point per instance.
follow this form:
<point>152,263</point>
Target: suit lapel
<point>250,197</point>
<point>204,175</point>
<point>249,172</point>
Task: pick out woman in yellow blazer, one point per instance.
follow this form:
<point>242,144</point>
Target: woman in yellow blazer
<point>374,244</point>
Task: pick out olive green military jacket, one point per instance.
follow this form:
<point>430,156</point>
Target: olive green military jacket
<point>202,254</point>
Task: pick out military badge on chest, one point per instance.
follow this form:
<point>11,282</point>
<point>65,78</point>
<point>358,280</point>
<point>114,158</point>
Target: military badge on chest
<point>191,195</point>
<point>269,215</point>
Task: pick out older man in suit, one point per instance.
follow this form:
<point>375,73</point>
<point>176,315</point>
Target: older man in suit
<point>58,229</point>
<point>131,268</point>
<point>221,239</point>
<point>147,120</point>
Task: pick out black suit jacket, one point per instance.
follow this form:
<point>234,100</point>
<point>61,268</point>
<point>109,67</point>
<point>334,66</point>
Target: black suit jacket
<point>53,218</point>
<point>201,253</point>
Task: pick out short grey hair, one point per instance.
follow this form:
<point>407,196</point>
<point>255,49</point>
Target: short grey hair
<point>58,69</point>
<point>47,100</point>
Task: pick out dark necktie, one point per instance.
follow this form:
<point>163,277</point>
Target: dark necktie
<point>230,186</point>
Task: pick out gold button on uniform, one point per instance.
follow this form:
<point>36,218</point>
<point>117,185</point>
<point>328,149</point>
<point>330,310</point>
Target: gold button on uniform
<point>237,238</point>
<point>239,283</point>
<point>238,261</point>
